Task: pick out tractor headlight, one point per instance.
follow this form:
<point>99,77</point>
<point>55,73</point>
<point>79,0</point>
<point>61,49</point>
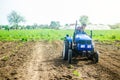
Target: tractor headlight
<point>89,46</point>
<point>82,46</point>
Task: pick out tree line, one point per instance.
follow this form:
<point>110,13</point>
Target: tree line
<point>16,19</point>
<point>34,26</point>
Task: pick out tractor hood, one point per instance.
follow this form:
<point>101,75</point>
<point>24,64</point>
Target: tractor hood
<point>82,37</point>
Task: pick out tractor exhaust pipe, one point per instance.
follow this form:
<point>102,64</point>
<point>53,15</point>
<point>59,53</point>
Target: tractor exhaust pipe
<point>76,25</point>
<point>91,33</point>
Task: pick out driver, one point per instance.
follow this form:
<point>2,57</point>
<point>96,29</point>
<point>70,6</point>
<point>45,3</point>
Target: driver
<point>79,30</point>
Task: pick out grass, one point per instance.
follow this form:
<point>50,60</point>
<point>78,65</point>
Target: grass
<point>50,35</point>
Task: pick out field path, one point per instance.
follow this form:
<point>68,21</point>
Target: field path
<point>33,65</point>
<point>36,68</point>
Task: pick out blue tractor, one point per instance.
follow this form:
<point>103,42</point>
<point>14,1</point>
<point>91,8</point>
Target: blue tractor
<point>80,45</point>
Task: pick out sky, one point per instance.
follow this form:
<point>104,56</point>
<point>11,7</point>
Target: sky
<point>65,11</point>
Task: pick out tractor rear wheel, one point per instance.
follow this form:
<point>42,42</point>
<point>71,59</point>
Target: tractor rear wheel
<point>95,57</point>
<point>69,56</point>
<point>65,50</point>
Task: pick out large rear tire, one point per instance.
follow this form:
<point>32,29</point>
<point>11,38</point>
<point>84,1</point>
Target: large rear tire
<point>65,50</point>
<point>69,56</point>
<point>95,57</point>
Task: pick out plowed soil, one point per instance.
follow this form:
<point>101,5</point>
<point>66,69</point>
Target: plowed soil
<point>43,61</point>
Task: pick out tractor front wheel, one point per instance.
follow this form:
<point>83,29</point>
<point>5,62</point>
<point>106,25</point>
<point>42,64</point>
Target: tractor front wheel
<point>69,56</point>
<point>65,51</point>
<point>95,57</point>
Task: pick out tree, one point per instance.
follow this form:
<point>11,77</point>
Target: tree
<point>115,26</point>
<point>66,25</point>
<point>55,24</point>
<point>84,20</point>
<point>0,26</point>
<point>6,27</point>
<point>14,19</point>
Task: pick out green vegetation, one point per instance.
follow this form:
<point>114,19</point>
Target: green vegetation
<point>51,34</point>
<point>33,35</point>
<point>5,58</point>
<point>108,35</point>
<point>76,73</point>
